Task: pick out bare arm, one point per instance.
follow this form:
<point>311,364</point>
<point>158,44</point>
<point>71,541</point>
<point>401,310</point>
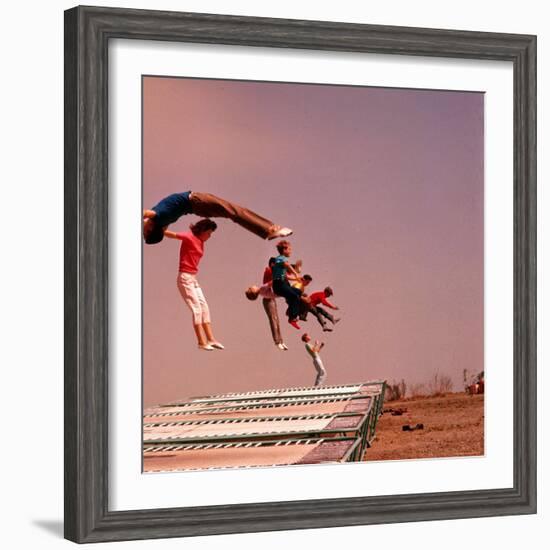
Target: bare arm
<point>325,302</point>
<point>172,235</point>
<point>148,214</point>
<point>292,270</point>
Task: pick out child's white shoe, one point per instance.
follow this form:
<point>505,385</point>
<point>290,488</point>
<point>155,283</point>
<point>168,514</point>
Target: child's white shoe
<point>216,345</point>
<point>206,347</point>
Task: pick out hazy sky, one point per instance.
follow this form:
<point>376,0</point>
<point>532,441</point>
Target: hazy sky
<point>384,190</point>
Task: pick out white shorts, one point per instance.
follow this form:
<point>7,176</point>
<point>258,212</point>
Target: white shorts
<point>192,294</point>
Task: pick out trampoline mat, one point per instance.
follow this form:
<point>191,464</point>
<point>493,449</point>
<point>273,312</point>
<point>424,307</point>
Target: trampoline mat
<point>310,452</point>
<point>266,427</point>
<point>251,412</point>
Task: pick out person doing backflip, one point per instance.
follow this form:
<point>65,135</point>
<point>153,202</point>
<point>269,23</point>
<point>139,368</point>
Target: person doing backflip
<point>205,205</point>
<point>313,350</point>
<point>191,252</point>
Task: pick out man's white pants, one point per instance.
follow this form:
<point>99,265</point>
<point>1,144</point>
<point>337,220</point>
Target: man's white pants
<point>321,372</point>
<point>192,294</point>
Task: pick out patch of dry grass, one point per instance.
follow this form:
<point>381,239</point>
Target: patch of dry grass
<point>453,426</point>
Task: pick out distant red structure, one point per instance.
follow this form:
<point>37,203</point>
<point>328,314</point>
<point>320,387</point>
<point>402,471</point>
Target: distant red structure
<point>478,387</point>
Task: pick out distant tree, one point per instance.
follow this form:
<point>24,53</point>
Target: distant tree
<point>440,384</point>
<point>396,390</point>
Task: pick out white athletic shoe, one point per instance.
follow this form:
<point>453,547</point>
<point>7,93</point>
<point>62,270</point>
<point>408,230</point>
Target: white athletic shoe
<point>216,345</point>
<point>206,347</point>
<point>284,347</point>
<point>279,232</point>
<point>281,347</point>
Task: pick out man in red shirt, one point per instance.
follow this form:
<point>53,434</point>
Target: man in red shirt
<point>320,297</point>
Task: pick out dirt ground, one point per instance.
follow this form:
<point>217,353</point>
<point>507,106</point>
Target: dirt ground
<point>453,426</point>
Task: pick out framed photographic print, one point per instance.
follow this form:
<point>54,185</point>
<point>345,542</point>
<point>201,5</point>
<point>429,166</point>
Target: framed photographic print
<point>295,251</point>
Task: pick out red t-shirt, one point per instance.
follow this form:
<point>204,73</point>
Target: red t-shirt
<point>319,298</point>
<point>268,275</point>
<point>191,251</point>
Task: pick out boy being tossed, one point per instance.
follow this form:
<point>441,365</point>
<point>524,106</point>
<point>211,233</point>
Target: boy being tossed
<point>320,297</point>
<point>281,287</point>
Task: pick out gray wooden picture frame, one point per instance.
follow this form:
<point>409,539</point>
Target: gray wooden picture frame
<point>87,34</point>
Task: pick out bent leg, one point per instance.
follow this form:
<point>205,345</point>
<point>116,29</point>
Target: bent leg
<point>291,295</point>
<point>207,205</point>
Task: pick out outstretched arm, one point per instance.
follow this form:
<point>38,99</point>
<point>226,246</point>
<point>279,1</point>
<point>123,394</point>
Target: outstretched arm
<point>325,302</point>
<point>172,235</point>
<point>292,270</point>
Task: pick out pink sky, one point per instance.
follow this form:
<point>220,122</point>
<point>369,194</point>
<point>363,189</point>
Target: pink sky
<point>384,190</point>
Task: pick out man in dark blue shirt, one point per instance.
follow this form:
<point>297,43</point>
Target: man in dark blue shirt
<point>205,205</point>
<point>281,286</point>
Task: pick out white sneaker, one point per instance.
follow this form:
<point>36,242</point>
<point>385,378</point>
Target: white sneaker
<point>282,347</point>
<point>216,345</point>
<point>206,347</point>
<point>280,232</point>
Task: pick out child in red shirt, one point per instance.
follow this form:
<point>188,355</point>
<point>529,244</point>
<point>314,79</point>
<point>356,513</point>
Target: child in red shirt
<point>191,252</point>
<point>320,297</point>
